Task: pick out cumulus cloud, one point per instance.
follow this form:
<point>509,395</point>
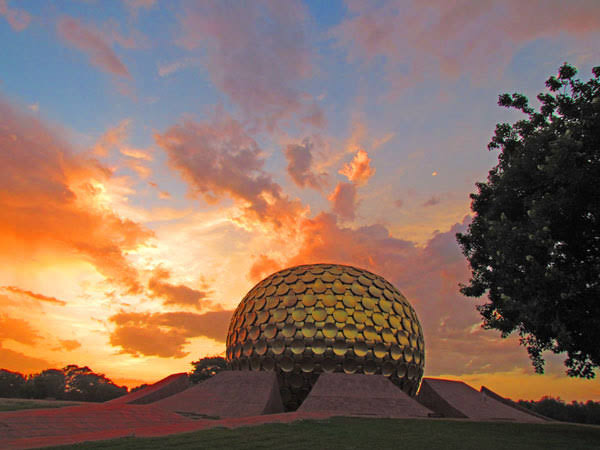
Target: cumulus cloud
<point>343,200</point>
<point>48,199</point>
<point>12,360</point>
<point>218,159</point>
<point>299,168</point>
<point>478,37</point>
<point>358,170</point>
<point>166,334</point>
<point>18,19</point>
<point>68,345</point>
<point>90,41</point>
<point>257,54</point>
<point>263,266</point>
<point>175,294</point>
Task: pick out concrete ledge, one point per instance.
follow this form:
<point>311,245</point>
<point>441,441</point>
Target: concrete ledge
<point>166,387</point>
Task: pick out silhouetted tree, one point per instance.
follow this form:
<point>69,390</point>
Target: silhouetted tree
<point>11,383</point>
<point>207,367</point>
<point>555,408</point>
<point>534,243</point>
<point>48,384</point>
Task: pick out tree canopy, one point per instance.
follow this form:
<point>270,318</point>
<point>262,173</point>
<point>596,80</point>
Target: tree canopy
<point>207,367</point>
<point>534,242</point>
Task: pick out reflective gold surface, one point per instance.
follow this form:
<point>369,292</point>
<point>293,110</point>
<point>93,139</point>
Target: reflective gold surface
<point>318,318</point>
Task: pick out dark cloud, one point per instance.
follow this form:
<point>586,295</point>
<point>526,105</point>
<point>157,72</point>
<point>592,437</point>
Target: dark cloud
<point>299,168</point>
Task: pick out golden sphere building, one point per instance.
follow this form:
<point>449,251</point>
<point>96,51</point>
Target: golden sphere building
<point>310,319</point>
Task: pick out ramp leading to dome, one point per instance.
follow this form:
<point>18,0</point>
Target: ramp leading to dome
<point>171,385</point>
<point>358,394</point>
<point>458,399</point>
<point>229,394</point>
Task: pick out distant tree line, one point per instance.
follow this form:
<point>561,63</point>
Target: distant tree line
<point>70,383</point>
<point>555,408</point>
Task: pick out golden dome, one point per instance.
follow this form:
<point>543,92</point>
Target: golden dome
<point>316,318</point>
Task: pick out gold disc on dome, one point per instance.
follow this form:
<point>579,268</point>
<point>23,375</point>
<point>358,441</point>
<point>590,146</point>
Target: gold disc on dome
<point>378,319</point>
<point>359,316</point>
<point>406,324</point>
<point>308,277</point>
<point>387,369</point>
<point>396,352</point>
<point>346,279</point>
<point>242,334</point>
<point>317,269</point>
<point>307,365</point>
<point>270,290</point>
<point>290,300</point>
<point>318,287</point>
<point>268,363</point>
<point>402,338</point>
<point>330,330</point>
<point>357,289</point>
<point>360,349</point>
<point>375,292</point>
<point>395,322</point>
<point>262,317</point>
<point>318,347</point>
<point>259,303</point>
<point>260,347</point>
<point>270,331</point>
<point>408,354</point>
<point>247,347</point>
<point>255,363</point>
<point>388,294</point>
<point>288,330</point>
<point>370,333</point>
<point>277,281</point>
<point>254,333</point>
<point>282,289</point>
<point>338,287</point>
<point>384,305</point>
<point>370,368</point>
<point>340,315</point>
<point>279,315</point>
<point>250,318</point>
<point>309,300</point>
<point>379,350</point>
<point>350,331</point>
<point>379,283</point>
<point>329,300</point>
<point>336,270</point>
<point>319,314</point>
<point>349,300</point>
<point>286,363</point>
<point>297,346</point>
<point>340,348</point>
<point>412,371</point>
<point>328,365</point>
<point>291,278</point>
<point>364,281</point>
<point>388,336</point>
<point>272,302</point>
<point>417,357</point>
<point>299,314</point>
<point>349,365</point>
<point>327,277</point>
<point>277,346</point>
<point>401,370</point>
<point>369,303</point>
<point>309,330</point>
<point>299,287</point>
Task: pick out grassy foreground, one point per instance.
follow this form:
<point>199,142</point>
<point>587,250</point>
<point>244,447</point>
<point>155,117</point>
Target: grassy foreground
<point>16,404</point>
<point>366,433</point>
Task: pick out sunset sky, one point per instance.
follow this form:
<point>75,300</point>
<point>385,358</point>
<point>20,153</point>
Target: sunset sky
<point>158,158</point>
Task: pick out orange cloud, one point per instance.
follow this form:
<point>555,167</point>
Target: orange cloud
<point>48,199</point>
<point>68,345</point>
<point>358,170</point>
<point>17,330</point>
<point>90,40</point>
<point>262,267</point>
<point>112,138</point>
<point>220,159</point>
<point>33,295</point>
<point>12,360</point>
<point>17,18</point>
<point>246,38</point>
<point>343,200</point>
<point>299,166</point>
<point>175,294</point>
<point>165,334</point>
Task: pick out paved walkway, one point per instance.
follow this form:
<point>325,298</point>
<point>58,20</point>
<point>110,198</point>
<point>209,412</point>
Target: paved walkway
<point>70,425</point>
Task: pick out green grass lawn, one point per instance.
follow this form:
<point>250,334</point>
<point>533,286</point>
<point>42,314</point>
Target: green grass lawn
<point>16,404</point>
<point>366,433</point>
